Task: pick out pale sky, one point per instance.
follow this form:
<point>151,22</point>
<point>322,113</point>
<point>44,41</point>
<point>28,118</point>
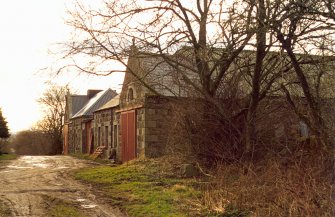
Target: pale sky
<point>28,30</point>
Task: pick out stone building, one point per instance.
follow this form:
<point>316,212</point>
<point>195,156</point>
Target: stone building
<point>137,122</point>
<point>78,133</point>
<point>152,85</point>
<point>73,103</point>
<point>144,109</point>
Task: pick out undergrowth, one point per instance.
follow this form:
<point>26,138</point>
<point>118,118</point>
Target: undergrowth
<point>275,187</point>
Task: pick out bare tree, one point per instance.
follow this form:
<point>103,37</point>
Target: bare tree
<point>304,28</point>
<point>199,40</point>
<point>162,28</point>
<point>53,103</point>
<point>32,142</point>
<point>205,42</point>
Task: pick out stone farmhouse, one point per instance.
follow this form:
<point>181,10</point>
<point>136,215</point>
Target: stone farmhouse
<point>136,122</point>
<point>125,126</point>
<point>78,124</point>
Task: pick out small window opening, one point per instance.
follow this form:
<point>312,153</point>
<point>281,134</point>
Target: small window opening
<point>130,94</point>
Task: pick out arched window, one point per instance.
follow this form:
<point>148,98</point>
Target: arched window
<point>130,94</point>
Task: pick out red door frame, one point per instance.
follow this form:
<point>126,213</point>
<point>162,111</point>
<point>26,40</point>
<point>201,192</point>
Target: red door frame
<point>128,135</point>
<point>66,139</point>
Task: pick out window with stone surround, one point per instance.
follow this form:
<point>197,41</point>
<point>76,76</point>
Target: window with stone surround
<point>130,95</point>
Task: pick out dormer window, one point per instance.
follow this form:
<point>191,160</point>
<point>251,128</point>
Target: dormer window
<point>130,96</point>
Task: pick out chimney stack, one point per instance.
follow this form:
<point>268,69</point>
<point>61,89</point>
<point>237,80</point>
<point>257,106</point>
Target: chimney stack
<point>92,93</point>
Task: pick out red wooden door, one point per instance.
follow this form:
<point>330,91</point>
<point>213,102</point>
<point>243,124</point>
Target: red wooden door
<point>128,135</point>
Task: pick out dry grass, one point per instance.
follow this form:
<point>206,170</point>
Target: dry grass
<point>274,188</point>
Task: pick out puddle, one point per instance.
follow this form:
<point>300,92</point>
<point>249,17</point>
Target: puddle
<point>40,165</point>
<point>86,206</point>
<point>81,200</point>
<point>90,206</point>
<point>61,168</point>
<point>30,162</point>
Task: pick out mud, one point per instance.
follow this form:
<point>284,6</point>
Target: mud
<point>25,183</point>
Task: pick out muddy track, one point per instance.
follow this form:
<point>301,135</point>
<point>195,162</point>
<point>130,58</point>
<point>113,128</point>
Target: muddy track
<point>28,180</point>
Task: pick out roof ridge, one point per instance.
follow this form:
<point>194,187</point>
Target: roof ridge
<point>104,92</point>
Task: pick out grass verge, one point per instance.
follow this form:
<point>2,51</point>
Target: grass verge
<point>8,157</point>
<point>5,159</point>
<point>140,188</point>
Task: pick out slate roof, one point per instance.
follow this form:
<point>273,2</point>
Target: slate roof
<point>163,77</point>
<point>168,81</point>
<point>111,103</point>
<point>78,101</point>
<point>95,103</point>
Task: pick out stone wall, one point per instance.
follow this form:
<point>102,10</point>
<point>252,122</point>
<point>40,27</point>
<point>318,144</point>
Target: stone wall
<point>76,134</point>
<point>103,130</point>
<point>152,122</point>
<point>76,130</point>
<point>156,125</point>
<point>70,138</point>
<point>117,136</point>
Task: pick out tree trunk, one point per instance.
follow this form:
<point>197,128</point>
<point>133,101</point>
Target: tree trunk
<point>255,94</point>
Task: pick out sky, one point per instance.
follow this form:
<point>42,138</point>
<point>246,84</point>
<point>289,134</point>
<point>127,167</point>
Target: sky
<point>29,29</point>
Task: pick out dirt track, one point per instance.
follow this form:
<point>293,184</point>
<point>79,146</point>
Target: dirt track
<point>26,181</point>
